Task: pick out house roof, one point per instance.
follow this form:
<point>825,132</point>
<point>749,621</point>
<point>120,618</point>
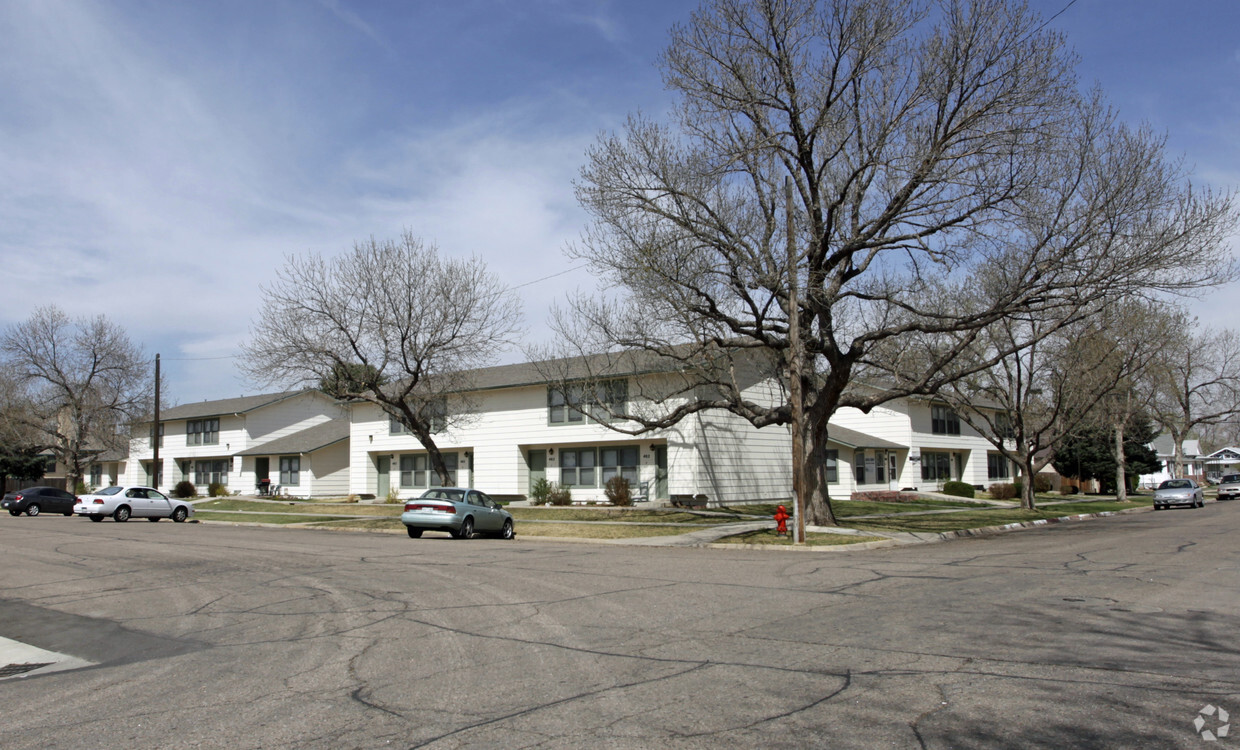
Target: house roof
<point>223,406</point>
<point>304,441</point>
<point>1164,446</point>
<point>853,439</point>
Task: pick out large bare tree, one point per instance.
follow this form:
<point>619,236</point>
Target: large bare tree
<point>1197,384</point>
<point>80,384</point>
<point>390,323</point>
<point>945,171</point>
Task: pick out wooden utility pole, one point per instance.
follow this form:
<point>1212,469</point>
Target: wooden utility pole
<point>794,372</point>
<point>155,436</point>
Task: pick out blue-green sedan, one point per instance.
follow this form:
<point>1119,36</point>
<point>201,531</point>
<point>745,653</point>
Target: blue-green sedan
<point>460,511</point>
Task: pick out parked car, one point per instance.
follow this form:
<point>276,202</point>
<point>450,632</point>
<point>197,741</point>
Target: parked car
<point>459,511</point>
<point>1178,492</point>
<point>35,500</point>
<point>138,502</point>
<point>1229,487</point>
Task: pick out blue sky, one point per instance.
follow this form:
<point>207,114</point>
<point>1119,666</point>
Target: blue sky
<point>158,160</point>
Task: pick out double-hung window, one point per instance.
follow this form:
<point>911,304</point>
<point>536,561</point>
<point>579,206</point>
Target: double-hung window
<point>578,467</point>
<point>998,467</point>
<point>211,471</point>
<point>944,421</point>
<point>290,471</point>
<point>833,466</point>
<point>416,471</point>
<point>202,432</point>
<point>161,435</point>
<point>600,400</point>
<point>619,461</point>
<point>396,427</point>
<point>936,466</point>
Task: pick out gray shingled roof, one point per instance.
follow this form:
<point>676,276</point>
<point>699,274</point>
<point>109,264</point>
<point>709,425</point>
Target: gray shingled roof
<point>224,406</point>
<point>305,441</point>
<point>854,439</point>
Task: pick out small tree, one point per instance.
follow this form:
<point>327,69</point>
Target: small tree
<point>390,323</point>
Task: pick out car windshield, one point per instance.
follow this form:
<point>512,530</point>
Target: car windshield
<point>1231,478</point>
<point>109,490</point>
<point>1176,484</point>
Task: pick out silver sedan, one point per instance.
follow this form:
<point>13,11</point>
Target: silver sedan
<point>460,511</point>
<point>121,503</point>
<point>1179,492</point>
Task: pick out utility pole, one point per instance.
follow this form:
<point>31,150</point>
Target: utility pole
<point>155,436</point>
<point>794,372</point>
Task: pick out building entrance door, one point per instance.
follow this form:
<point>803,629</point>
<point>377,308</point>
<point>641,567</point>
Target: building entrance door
<point>537,461</point>
<point>383,465</point>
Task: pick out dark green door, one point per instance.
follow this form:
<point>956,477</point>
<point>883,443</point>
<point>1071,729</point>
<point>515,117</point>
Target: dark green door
<point>660,472</point>
<point>538,467</point>
<point>383,464</point>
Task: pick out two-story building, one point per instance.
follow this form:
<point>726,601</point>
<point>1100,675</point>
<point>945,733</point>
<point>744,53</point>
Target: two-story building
<point>296,441</point>
<point>522,430</point>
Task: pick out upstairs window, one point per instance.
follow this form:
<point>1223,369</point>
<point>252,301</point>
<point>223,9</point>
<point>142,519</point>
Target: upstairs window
<point>202,432</point>
<point>576,402</point>
<point>944,421</point>
<point>161,435</point>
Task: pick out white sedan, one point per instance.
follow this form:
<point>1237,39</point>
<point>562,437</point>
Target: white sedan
<point>138,502</point>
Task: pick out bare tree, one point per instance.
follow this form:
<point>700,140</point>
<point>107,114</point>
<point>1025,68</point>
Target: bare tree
<point>946,174</point>
<point>81,384</point>
<point>390,323</point>
<point>1197,385</point>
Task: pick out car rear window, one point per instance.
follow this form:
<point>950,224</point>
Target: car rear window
<point>109,491</point>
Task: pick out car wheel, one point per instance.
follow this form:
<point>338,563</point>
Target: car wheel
<point>122,514</point>
<point>153,519</point>
<point>14,512</point>
<point>467,529</point>
<point>32,509</point>
<point>180,514</point>
<point>96,517</point>
<point>68,513</point>
<point>507,532</point>
<point>414,533</point>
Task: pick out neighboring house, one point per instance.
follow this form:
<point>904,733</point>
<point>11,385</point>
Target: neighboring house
<point>1220,462</point>
<point>522,431</point>
<point>287,438</point>
<point>1194,462</point>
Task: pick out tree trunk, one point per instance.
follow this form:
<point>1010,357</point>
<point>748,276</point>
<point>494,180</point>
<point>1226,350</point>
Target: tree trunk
<point>1121,479</point>
<point>818,511</point>
<point>1026,487</point>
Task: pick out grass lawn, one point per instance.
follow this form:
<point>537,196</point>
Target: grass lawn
<point>565,530</point>
<point>333,509</point>
<point>847,508</point>
<point>633,515</point>
<point>257,517</point>
<point>996,517</point>
<point>768,536</point>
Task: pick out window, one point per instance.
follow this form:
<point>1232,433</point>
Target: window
<point>577,467</point>
<point>572,405</point>
<point>416,471</point>
<point>833,467</point>
<point>151,437</point>
<point>859,466</point>
<point>997,466</point>
<point>202,432</point>
<point>619,461</point>
<point>434,412</point>
<point>944,421</point>
<point>96,475</point>
<point>936,467</point>
<point>290,471</point>
<point>211,471</point>
<point>1003,426</point>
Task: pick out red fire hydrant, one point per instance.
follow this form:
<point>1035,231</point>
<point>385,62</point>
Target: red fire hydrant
<point>781,521</point>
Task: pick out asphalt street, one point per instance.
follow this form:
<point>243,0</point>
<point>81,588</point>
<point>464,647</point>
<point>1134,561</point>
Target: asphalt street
<point>1113,632</point>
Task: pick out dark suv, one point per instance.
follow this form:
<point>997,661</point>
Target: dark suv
<point>35,500</point>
